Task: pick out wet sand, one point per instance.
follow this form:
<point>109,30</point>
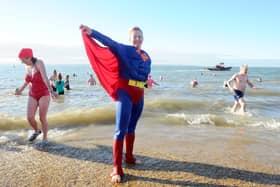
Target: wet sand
<point>170,156</point>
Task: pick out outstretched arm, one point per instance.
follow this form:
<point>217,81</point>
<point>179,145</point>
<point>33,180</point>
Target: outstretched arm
<point>105,40</point>
<point>156,83</point>
<point>19,90</point>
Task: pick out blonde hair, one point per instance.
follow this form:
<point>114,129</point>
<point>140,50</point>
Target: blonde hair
<point>135,28</point>
<point>244,66</point>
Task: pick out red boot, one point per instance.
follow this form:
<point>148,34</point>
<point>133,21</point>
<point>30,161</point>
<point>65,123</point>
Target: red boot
<point>117,154</point>
<point>129,141</point>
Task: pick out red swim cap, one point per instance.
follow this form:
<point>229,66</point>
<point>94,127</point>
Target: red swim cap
<point>25,53</point>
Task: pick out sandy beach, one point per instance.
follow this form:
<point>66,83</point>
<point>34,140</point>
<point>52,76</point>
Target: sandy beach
<point>200,81</point>
<point>83,157</point>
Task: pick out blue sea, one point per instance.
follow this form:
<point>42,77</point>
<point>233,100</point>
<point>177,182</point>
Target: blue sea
<point>173,103</point>
<point>174,100</point>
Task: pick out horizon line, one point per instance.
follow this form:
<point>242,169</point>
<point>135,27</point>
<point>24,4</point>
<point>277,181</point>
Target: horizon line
<point>156,64</point>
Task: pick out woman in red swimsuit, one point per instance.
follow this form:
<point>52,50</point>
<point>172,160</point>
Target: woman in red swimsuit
<point>39,92</point>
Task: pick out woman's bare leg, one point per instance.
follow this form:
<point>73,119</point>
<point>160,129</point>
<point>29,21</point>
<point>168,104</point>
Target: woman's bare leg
<point>32,105</point>
<point>44,103</point>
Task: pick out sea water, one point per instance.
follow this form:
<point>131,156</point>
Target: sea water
<point>172,103</point>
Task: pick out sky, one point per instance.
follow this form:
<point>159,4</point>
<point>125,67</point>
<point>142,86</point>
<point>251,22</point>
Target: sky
<point>189,32</point>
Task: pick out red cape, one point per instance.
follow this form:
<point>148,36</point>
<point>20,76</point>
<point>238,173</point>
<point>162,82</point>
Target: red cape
<point>104,64</point>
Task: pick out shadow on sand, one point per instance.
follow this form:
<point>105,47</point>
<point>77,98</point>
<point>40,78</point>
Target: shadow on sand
<point>103,154</point>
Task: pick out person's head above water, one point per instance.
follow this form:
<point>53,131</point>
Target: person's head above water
<point>59,76</point>
<point>136,37</point>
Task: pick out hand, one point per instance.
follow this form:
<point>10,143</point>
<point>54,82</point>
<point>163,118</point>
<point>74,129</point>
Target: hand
<point>17,92</point>
<point>54,95</point>
<point>85,29</point>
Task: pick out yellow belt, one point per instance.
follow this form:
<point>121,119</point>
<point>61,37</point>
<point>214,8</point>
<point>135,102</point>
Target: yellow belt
<point>135,83</point>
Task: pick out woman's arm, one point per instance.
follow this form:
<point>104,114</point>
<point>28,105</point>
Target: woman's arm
<point>156,83</point>
<point>19,90</point>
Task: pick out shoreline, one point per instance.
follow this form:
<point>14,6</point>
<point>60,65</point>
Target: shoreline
<point>191,157</point>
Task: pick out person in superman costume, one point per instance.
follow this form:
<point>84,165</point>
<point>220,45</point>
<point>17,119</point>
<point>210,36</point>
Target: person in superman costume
<point>122,70</point>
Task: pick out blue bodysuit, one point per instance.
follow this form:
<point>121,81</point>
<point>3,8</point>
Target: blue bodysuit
<point>122,70</point>
<point>133,65</point>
